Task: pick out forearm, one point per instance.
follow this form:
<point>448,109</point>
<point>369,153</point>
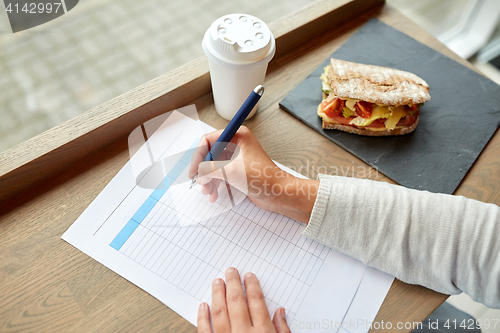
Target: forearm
<point>298,197</point>
<point>447,243</point>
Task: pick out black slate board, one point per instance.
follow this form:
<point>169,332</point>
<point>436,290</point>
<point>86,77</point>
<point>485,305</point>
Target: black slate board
<point>454,126</point>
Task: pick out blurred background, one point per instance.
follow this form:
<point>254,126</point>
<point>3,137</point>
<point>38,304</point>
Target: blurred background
<point>103,48</point>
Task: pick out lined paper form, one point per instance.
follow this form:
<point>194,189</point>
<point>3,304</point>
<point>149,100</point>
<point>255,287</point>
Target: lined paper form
<point>170,241</point>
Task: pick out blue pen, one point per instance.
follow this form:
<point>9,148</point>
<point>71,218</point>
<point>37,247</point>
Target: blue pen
<point>233,126</point>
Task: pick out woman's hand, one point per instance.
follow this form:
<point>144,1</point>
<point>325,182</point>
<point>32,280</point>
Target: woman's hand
<point>233,312</point>
<point>255,174</point>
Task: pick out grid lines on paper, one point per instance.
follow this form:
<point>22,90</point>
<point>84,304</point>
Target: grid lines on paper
<point>189,242</point>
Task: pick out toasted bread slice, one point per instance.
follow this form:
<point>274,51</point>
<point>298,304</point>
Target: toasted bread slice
<point>374,84</point>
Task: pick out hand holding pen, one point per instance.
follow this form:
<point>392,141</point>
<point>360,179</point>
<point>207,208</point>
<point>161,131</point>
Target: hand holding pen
<point>256,175</point>
<point>227,135</point>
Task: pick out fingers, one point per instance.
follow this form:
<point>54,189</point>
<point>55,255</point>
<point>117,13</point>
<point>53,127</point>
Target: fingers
<point>279,321</point>
<point>201,151</point>
<point>198,156</point>
<point>210,176</point>
<point>207,188</point>
<point>256,302</point>
<point>242,135</point>
<point>204,319</point>
<point>236,302</point>
<point>214,194</point>
<point>212,190</point>
<point>211,170</point>
<point>220,317</point>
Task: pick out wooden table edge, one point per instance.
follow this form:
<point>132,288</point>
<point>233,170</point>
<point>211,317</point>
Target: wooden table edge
<point>58,148</point>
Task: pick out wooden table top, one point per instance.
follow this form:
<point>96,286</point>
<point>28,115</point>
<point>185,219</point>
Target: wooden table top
<point>48,285</point>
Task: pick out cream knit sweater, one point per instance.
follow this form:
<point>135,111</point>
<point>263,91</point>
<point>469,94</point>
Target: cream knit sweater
<point>443,242</point>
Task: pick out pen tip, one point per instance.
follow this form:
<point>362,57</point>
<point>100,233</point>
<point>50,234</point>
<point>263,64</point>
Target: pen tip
<point>193,181</point>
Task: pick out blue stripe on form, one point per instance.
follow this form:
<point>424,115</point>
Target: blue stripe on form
<point>153,199</point>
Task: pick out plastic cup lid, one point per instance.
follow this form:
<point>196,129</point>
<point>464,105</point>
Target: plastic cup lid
<point>239,39</point>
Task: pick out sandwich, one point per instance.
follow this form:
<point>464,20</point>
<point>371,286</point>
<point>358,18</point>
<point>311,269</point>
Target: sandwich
<point>371,100</point>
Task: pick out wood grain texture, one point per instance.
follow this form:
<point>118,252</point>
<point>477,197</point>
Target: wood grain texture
<point>47,285</point>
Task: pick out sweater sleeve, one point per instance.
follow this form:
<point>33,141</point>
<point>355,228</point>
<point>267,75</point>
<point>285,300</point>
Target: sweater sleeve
<point>444,242</point>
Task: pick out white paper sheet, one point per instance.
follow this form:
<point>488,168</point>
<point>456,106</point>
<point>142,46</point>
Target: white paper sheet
<point>171,242</point>
<point>365,305</point>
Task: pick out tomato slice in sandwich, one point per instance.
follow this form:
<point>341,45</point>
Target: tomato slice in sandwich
<point>364,109</point>
<point>333,107</point>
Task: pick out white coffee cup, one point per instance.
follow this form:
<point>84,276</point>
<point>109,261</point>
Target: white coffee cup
<point>239,48</point>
